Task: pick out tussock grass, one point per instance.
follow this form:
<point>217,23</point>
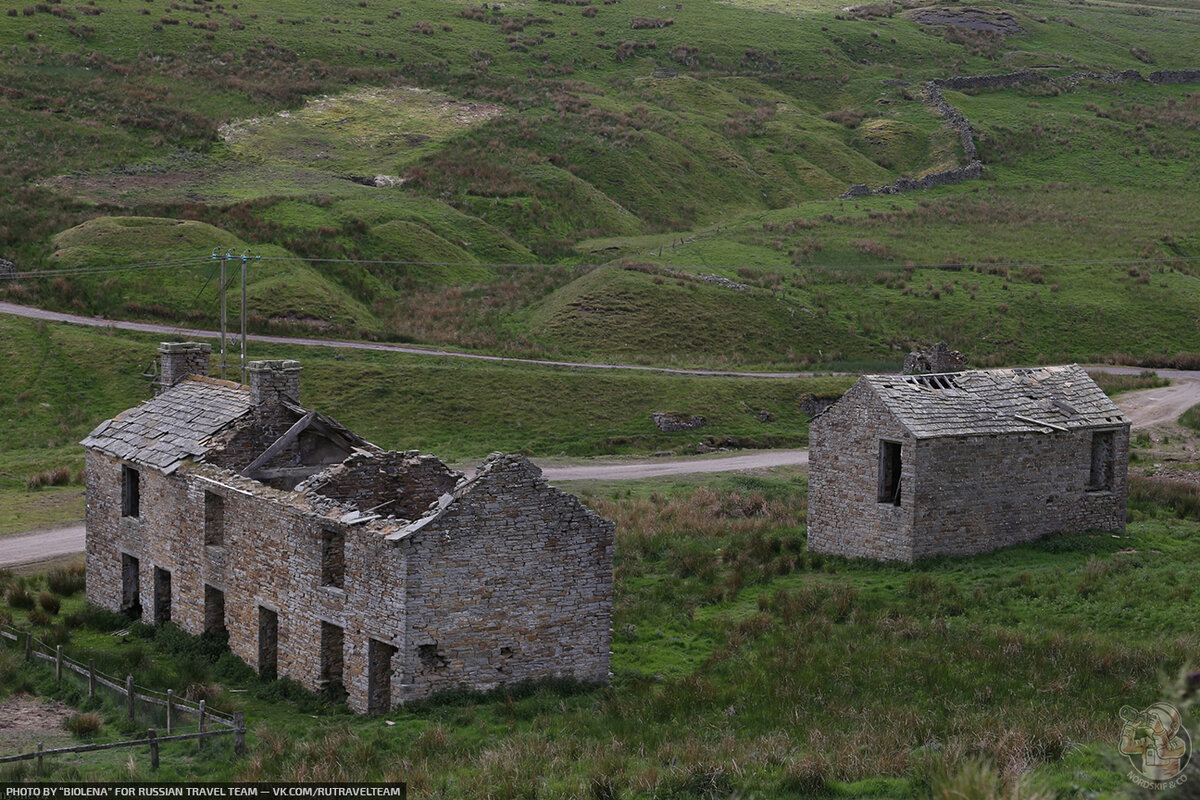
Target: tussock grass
<point>1116,384</point>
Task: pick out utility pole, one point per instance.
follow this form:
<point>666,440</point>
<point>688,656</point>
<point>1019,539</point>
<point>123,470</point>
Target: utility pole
<point>245,258</point>
<point>224,259</point>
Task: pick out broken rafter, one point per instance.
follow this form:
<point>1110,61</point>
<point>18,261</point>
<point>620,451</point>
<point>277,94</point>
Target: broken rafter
<point>1033,421</point>
<point>306,471</point>
<point>281,443</point>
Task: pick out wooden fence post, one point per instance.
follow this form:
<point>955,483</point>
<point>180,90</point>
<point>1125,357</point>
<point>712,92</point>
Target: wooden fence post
<point>91,678</point>
<point>58,663</point>
<point>129,693</point>
<point>200,742</point>
<point>170,708</point>
<point>239,733</point>
<point>39,767</point>
<point>29,646</point>
<point>152,735</point>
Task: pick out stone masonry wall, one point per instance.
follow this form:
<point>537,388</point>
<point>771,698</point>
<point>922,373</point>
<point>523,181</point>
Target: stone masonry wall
<point>844,517</point>
<point>401,484</point>
<point>978,493</point>
<point>514,581</point>
<point>529,560</point>
<point>959,495</point>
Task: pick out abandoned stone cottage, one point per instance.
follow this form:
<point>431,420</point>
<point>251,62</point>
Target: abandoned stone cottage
<point>908,466</point>
<point>226,507</point>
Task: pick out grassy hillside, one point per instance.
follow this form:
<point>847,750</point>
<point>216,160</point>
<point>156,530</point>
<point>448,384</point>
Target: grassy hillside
<point>543,133</point>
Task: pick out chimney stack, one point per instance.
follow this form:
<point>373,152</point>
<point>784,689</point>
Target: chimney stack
<point>180,359</point>
<point>272,381</point>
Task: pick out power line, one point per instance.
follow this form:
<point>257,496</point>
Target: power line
<point>944,265</point>
<point>178,263</point>
<point>183,263</point>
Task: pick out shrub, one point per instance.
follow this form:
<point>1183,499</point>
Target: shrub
<point>1191,418</point>
<point>83,724</point>
<point>38,618</point>
<point>49,602</point>
<point>18,597</point>
<point>96,619</point>
<point>66,581</point>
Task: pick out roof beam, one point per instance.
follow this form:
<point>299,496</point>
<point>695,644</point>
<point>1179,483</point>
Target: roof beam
<point>306,471</point>
<point>281,443</point>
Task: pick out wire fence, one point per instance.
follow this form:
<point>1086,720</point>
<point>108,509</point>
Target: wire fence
<point>176,718</point>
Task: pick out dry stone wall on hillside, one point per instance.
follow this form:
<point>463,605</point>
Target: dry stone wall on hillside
<point>956,120</point>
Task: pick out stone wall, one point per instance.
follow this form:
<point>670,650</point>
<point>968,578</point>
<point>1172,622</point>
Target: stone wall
<point>180,359</point>
<point>513,581</point>
<point>844,515</point>
<point>400,484</point>
<point>938,358</point>
<point>518,576</point>
<point>956,120</point>
<point>1175,76</point>
<point>674,421</point>
<point>975,494</point>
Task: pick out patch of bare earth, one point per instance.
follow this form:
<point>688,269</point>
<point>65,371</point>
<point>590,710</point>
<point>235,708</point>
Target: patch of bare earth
<point>974,19</point>
<point>26,720</point>
<point>126,191</point>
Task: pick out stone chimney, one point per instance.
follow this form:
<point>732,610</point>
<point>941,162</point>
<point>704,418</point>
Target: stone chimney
<point>271,381</point>
<point>178,360</point>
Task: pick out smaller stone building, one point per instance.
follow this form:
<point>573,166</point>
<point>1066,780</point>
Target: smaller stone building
<point>908,466</point>
<point>223,507</point>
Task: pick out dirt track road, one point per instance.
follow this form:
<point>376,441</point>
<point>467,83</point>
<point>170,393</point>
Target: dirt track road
<point>1151,407</point>
<point>27,548</point>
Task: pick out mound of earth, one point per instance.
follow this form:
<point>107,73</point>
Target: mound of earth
<point>974,19</point>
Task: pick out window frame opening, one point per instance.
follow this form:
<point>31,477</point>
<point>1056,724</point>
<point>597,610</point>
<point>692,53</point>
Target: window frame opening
<point>214,610</point>
<point>1103,460</point>
<point>162,596</point>
<point>268,643</point>
<point>333,558</point>
<point>131,586</point>
<point>214,520</point>
<point>131,492</point>
<point>891,465</point>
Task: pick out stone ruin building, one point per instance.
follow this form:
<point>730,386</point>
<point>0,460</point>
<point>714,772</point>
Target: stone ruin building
<point>223,507</point>
<point>938,358</point>
<point>908,466</point>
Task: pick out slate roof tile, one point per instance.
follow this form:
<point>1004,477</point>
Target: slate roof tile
<point>163,430</point>
<point>980,402</point>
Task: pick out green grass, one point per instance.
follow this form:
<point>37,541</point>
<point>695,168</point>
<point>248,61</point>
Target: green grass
<point>739,659</point>
<point>1191,418</point>
<point>42,509</point>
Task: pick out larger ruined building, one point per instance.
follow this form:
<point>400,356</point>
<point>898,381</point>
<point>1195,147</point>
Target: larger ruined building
<point>223,507</point>
<point>908,466</point>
